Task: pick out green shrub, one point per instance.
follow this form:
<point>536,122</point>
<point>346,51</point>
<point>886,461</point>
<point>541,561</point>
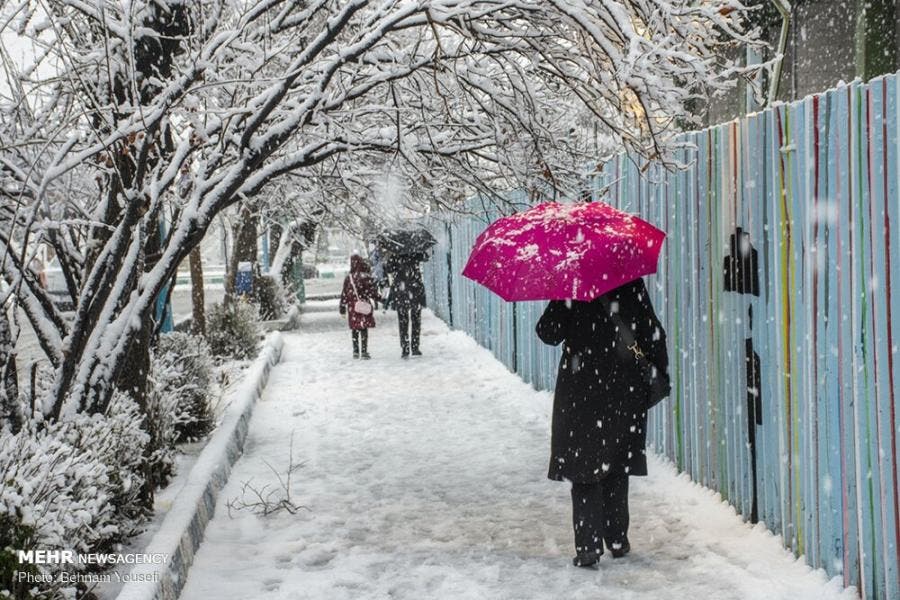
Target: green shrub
<point>183,371</point>
<point>68,485</point>
<point>119,441</point>
<point>233,330</point>
<point>269,297</point>
<point>15,535</point>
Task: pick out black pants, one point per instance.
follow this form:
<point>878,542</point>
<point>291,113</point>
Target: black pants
<point>360,335</point>
<point>405,316</point>
<point>600,513</point>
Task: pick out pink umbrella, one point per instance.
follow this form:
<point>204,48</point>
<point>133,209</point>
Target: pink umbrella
<point>563,251</point>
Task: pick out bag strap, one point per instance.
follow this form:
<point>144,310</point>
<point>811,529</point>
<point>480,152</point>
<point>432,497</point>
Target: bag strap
<point>355,292</point>
<point>625,336</point>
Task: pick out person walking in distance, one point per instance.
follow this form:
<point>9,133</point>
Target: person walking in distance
<point>407,297</point>
<point>358,299</point>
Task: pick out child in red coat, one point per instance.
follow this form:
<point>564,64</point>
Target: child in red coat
<point>358,302</point>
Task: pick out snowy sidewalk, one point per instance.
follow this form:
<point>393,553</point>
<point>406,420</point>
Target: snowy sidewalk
<point>426,479</point>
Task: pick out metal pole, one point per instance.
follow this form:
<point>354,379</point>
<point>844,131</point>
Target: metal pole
<point>784,7</point>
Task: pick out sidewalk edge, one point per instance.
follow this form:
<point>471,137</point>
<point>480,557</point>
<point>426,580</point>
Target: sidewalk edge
<point>183,527</point>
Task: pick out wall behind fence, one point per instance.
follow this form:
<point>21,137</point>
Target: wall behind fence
<point>777,286</point>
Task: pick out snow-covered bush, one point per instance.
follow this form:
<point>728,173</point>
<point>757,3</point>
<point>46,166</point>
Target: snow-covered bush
<point>40,506</point>
<point>183,368</point>
<point>118,441</point>
<point>233,330</point>
<point>70,485</point>
<point>53,494</point>
<point>160,416</point>
<point>269,297</point>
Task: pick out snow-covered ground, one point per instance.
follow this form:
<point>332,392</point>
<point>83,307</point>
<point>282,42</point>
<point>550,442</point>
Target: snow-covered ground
<point>426,479</point>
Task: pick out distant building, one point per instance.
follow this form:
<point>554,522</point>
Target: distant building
<point>829,41</point>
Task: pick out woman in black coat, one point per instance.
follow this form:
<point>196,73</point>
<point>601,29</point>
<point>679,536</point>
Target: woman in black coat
<point>407,297</point>
<point>599,424</point>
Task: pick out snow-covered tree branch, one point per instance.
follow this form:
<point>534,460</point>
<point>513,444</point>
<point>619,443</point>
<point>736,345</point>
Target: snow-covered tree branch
<point>123,98</point>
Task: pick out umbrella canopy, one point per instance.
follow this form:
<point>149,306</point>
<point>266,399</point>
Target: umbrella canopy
<point>563,251</point>
<point>406,241</point>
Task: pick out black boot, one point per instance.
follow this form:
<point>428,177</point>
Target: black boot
<point>403,322</point>
<point>618,550</point>
<point>587,560</point>
<point>364,343</point>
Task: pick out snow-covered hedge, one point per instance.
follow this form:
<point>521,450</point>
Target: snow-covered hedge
<point>233,330</point>
<point>160,418</point>
<point>118,442</point>
<point>269,297</point>
<point>52,498</point>
<point>183,372</point>
<point>71,485</point>
<point>83,483</point>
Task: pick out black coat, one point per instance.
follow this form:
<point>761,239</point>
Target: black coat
<point>596,428</point>
<point>407,287</point>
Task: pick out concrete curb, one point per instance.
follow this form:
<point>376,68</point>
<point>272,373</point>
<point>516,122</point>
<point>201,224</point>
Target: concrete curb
<point>182,529</point>
<point>293,319</point>
<point>288,322</point>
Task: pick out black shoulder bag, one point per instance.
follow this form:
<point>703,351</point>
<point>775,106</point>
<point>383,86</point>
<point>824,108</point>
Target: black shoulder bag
<point>657,381</point>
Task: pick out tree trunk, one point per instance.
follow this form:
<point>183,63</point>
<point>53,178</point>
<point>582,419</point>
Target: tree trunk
<point>135,382</point>
<point>281,256</point>
<point>133,159</point>
<point>276,231</point>
<point>134,377</point>
<point>245,245</point>
<point>10,410</point>
<point>198,295</point>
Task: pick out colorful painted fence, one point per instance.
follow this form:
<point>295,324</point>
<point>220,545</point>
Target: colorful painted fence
<point>778,286</point>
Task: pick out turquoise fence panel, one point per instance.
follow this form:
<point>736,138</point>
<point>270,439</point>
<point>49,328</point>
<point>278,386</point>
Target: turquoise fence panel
<point>891,236</point>
<point>831,481</point>
<point>784,396</point>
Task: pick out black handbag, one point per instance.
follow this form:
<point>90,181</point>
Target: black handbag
<point>657,380</point>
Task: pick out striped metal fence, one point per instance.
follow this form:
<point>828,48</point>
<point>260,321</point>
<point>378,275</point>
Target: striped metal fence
<point>778,288</point>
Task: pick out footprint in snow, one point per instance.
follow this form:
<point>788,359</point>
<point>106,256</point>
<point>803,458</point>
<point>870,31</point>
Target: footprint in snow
<point>283,561</point>
<point>318,560</point>
<point>271,585</point>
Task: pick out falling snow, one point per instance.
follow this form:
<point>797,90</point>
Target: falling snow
<point>433,484</point>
